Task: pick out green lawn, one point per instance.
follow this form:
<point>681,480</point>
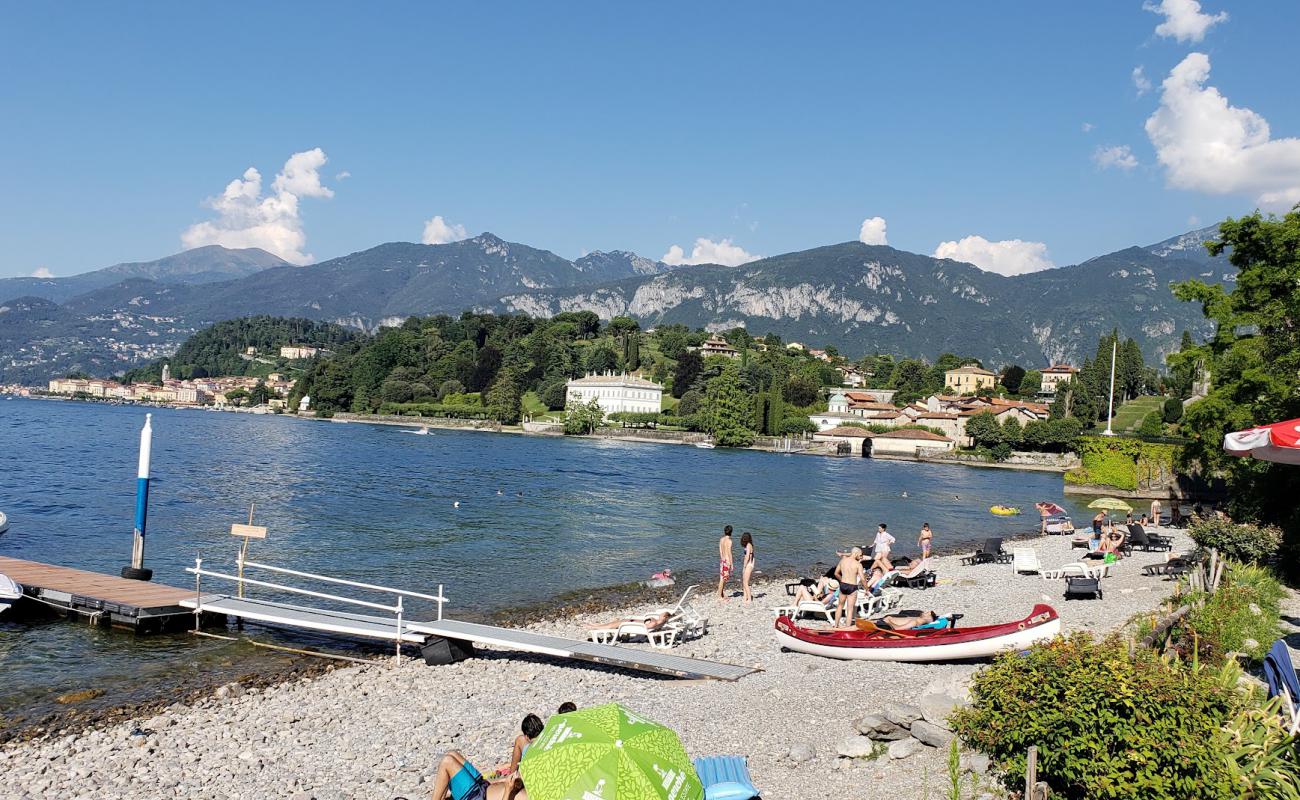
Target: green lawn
<point>1130,415</point>
<point>537,409</point>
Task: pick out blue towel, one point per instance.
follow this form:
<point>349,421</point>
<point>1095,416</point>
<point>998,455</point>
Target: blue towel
<point>1280,672</point>
<point>725,778</point>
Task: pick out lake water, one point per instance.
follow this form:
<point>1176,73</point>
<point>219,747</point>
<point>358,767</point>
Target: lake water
<point>538,517</point>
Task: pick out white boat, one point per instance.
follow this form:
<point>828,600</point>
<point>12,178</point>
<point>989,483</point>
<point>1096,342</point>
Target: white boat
<point>418,431</point>
<point>705,445</point>
<point>10,591</point>
<point>4,522</point>
<point>948,644</point>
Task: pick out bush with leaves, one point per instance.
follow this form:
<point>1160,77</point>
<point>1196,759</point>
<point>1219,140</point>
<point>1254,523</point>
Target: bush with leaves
<point>797,426</point>
<point>1240,617</point>
<point>583,418</point>
<point>1250,544</point>
<point>1107,724</point>
<point>1153,424</point>
<point>1172,410</point>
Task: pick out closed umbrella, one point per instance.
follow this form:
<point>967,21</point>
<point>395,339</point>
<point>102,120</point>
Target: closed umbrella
<point>1110,504</point>
<point>608,753</point>
<point>1279,442</point>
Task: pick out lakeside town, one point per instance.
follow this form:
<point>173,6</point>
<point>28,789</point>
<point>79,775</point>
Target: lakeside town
<point>494,401</point>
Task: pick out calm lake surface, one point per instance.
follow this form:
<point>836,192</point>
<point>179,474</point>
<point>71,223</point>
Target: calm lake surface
<point>538,517</point>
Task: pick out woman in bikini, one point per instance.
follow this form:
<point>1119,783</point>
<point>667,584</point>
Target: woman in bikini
<point>747,565</point>
<point>926,540</point>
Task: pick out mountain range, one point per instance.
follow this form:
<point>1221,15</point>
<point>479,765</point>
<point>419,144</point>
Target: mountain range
<point>861,298</point>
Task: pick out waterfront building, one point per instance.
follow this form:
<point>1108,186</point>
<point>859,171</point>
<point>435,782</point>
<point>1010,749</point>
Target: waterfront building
<point>969,379</point>
<point>853,437</point>
<point>616,392</point>
<point>908,442</point>
<point>1055,375</point>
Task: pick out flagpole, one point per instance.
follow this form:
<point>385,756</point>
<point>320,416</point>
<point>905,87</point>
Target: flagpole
<point>137,570</point>
<point>1114,351</point>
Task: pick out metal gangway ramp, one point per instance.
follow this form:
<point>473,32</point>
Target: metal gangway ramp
<point>401,631</point>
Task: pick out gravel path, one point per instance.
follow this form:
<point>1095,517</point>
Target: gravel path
<point>378,731</point>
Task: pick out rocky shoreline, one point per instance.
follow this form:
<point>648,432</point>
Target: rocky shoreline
<point>809,726</point>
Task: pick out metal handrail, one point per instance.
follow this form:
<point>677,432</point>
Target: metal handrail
<point>325,595</point>
<point>439,598</point>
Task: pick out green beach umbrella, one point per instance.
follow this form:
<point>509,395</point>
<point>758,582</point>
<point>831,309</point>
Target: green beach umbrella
<point>1110,504</point>
<point>608,753</point>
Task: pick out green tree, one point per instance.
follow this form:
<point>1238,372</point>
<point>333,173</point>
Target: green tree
<point>1172,410</point>
<point>583,418</point>
<point>727,410</point>
<point>913,379</point>
<point>1032,383</point>
<point>1013,377</point>
<point>983,429</point>
<point>505,398</point>
<point>260,394</point>
<point>689,367</point>
<point>1253,359</point>
<point>237,397</point>
<point>553,395</point>
<point>1012,432</point>
<point>601,359</point>
<point>801,390</point>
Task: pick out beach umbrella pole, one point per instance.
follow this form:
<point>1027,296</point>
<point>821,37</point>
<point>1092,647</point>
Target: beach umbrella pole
<point>136,571</point>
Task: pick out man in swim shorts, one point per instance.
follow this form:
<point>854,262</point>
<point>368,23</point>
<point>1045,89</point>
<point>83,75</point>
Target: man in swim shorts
<point>849,573</point>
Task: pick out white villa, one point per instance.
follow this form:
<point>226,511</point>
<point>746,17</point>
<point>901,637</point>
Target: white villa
<point>617,393</point>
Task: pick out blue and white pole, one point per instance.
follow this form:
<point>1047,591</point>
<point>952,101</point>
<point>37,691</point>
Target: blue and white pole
<point>137,571</point>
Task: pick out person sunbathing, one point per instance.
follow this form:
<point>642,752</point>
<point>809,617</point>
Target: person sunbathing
<point>813,591</point>
<point>652,623</point>
<point>903,623</point>
<point>530,729</point>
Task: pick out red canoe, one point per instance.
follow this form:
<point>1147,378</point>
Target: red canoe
<point>949,644</point>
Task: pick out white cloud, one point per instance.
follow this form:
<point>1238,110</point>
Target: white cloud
<point>707,251</point>
<point>1117,156</point>
<point>343,175</point>
<point>1184,20</point>
<point>440,231</point>
<point>873,231</point>
<point>1087,127</point>
<point>1141,81</point>
<point>42,272</point>
<point>247,219</point>
<point>1008,257</point>
<point>1208,145</point>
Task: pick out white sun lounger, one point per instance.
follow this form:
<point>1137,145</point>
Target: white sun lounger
<point>1075,570</point>
<point>1025,560</point>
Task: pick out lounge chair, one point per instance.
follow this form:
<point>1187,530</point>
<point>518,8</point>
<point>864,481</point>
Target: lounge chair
<point>1025,560</point>
<point>1082,587</point>
<point>692,623</point>
<point>725,778</point>
<point>989,553</point>
<point>1057,525</point>
<point>1139,539</point>
<point>918,575</point>
<point>1072,570</point>
<point>1173,567</point>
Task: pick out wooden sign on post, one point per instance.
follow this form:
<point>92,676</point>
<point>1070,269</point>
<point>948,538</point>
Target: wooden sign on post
<point>248,531</point>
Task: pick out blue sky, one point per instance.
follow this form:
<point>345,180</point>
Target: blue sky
<point>575,127</point>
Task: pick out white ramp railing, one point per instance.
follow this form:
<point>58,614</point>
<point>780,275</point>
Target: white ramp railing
<point>396,609</point>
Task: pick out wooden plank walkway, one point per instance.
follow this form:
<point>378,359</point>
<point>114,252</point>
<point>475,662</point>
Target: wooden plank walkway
<point>113,600</point>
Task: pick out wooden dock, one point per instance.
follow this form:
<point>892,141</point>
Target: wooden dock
<point>109,600</point>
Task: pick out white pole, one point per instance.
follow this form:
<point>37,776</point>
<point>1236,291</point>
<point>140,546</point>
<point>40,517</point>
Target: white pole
<point>1110,414</point>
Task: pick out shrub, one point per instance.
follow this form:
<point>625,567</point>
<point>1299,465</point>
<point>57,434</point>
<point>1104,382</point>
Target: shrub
<point>796,426</point>
<point>1107,724</point>
<point>1153,424</point>
<point>1001,451</point>
<point>1172,410</point>
<point>1250,544</point>
<point>1240,617</point>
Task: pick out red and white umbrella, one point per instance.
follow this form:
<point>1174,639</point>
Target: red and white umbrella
<point>1278,442</point>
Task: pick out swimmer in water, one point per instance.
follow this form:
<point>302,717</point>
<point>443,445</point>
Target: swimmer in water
<point>905,495</point>
<point>455,504</point>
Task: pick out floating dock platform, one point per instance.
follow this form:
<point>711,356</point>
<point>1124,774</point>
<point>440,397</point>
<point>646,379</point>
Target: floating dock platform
<point>107,600</point>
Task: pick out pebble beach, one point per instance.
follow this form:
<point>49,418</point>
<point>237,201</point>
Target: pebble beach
<point>378,730</point>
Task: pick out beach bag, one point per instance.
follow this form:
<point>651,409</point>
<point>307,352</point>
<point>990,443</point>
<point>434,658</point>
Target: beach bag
<point>1110,559</point>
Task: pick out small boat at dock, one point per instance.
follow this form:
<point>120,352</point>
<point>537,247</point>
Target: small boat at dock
<point>705,445</point>
<point>10,592</point>
<point>945,644</point>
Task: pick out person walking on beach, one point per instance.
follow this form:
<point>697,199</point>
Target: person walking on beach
<point>746,565</point>
<point>724,562</point>
<point>849,573</point>
<point>880,548</point>
<point>1155,512</point>
<point>926,540</point>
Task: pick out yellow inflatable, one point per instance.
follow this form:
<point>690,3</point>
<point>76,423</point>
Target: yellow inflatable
<point>1004,511</point>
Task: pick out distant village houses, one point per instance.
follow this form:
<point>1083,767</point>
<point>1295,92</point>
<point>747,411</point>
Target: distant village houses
<point>616,393</point>
<point>197,392</point>
<point>299,351</point>
<point>717,346</point>
<point>946,413</point>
